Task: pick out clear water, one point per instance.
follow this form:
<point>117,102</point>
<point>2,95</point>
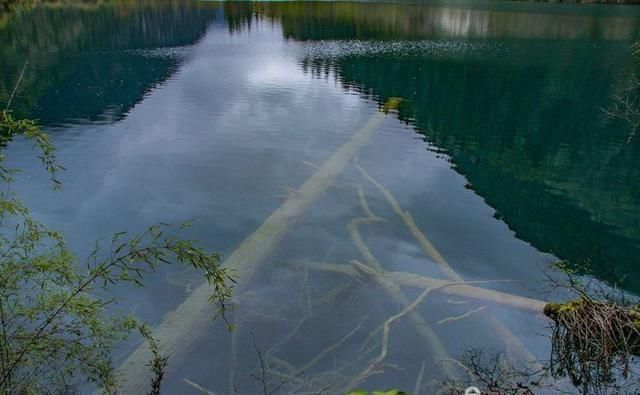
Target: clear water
<point>217,112</point>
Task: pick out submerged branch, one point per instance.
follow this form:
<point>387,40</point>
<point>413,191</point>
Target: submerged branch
<point>376,364</point>
<point>360,272</point>
<point>180,330</point>
<point>395,293</point>
<point>511,341</point>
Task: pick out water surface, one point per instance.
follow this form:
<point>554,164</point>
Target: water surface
<point>218,112</point>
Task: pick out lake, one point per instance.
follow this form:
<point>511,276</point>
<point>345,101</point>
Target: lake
<point>443,140</point>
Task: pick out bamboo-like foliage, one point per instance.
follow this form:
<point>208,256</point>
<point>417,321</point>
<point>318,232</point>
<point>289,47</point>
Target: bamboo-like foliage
<point>56,331</point>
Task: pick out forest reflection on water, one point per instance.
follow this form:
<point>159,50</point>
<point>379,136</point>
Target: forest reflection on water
<point>220,111</point>
<point>518,109</point>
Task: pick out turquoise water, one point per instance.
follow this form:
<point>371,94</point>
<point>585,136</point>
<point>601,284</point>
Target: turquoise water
<point>500,150</point>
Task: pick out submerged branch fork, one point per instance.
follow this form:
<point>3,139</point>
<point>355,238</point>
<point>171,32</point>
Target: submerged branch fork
<point>376,364</point>
<point>394,292</point>
<point>179,332</point>
<point>467,289</point>
<point>514,345</point>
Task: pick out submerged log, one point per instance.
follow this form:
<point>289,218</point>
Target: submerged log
<point>376,365</point>
<point>181,329</point>
<point>363,273</point>
<point>514,345</point>
<point>488,295</point>
<point>394,292</point>
<point>420,325</point>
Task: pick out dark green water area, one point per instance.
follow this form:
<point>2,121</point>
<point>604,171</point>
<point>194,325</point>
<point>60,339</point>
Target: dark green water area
<point>500,149</point>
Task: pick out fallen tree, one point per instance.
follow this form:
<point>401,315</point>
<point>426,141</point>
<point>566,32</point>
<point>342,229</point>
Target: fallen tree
<point>514,346</point>
<point>181,329</point>
<point>363,273</point>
